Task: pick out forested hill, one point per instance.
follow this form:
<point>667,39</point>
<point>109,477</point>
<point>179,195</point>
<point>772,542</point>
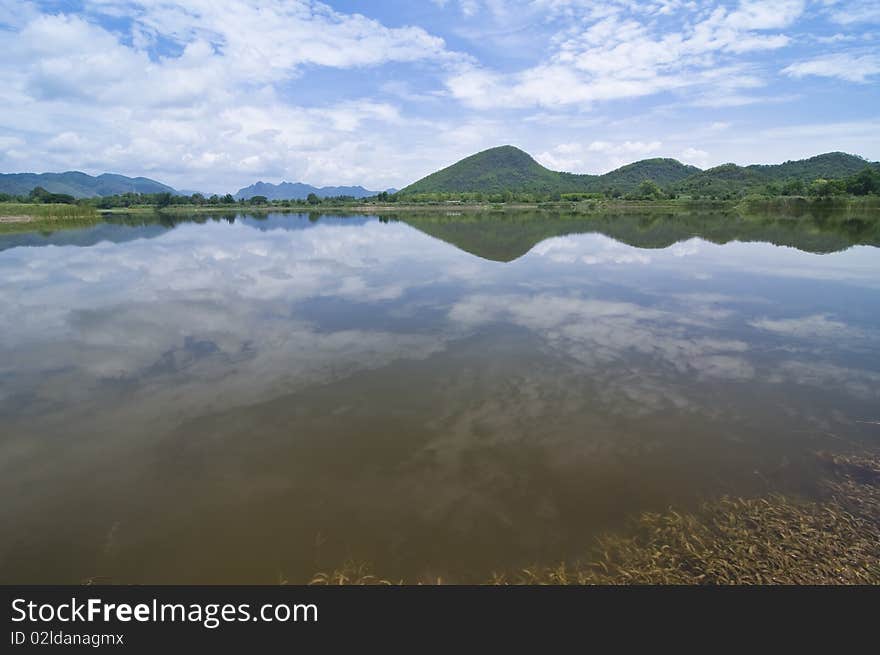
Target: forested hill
<point>792,177</point>
<point>79,185</point>
<point>509,169</point>
<point>494,171</point>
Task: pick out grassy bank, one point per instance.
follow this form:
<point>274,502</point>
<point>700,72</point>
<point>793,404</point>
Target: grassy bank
<point>27,217</point>
<point>772,539</point>
<point>21,217</point>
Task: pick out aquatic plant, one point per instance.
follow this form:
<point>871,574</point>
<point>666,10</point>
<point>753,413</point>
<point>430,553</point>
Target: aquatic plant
<point>772,539</point>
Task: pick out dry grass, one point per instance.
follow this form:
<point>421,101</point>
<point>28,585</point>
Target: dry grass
<point>767,540</point>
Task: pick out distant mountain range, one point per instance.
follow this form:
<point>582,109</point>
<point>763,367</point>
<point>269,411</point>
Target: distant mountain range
<point>492,171</point>
<point>300,191</point>
<point>507,168</point>
<point>79,185</point>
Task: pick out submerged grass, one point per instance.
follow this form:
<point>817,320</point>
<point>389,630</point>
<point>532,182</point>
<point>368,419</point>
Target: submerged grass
<point>773,539</point>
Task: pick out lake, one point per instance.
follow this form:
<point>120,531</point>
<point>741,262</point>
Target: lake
<point>254,399</point>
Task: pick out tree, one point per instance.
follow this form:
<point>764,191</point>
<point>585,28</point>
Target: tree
<point>313,199</point>
<point>259,200</point>
<point>864,182</point>
<point>649,190</point>
<point>793,188</point>
<point>38,194</point>
<point>773,189</point>
<point>228,199</point>
<point>825,188</point>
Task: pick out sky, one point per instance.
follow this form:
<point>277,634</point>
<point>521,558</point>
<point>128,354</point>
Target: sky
<point>214,95</point>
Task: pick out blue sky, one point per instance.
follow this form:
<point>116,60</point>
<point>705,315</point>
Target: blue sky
<point>216,94</point>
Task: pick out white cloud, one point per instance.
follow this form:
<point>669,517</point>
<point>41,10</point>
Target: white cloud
<point>695,157</point>
<point>215,114</point>
<point>596,156</point>
<point>849,12</point>
<point>845,66</point>
<point>213,95</point>
<point>619,56</point>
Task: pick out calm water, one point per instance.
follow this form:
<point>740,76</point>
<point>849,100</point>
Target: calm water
<point>245,400</point>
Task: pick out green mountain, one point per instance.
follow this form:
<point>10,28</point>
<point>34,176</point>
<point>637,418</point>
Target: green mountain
<point>662,171</point>
<point>493,171</point>
<point>509,169</point>
<point>730,179</point>
<point>79,185</point>
<point>721,180</point>
<point>831,165</point>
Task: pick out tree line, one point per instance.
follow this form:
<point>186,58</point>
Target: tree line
<point>863,183</point>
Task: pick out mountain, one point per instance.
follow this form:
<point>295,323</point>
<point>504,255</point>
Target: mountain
<point>731,179</point>
<point>831,165</point>
<point>79,185</point>
<point>300,191</point>
<point>662,171</point>
<point>722,180</point>
<point>507,168</point>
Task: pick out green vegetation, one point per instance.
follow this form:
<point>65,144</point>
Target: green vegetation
<point>663,172</point>
<point>507,174</point>
<point>78,185</point>
<point>30,217</point>
<point>197,201</point>
<point>501,178</point>
<point>811,226</point>
<point>503,175</point>
<point>492,172</point>
<point>774,539</point>
<point>831,174</point>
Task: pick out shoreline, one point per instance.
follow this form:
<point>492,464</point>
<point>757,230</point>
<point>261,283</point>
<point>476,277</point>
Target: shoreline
<point>18,217</point>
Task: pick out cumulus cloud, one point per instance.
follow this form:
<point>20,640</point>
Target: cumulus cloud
<point>623,54</point>
<point>695,157</point>
<point>596,156</point>
<point>210,105</point>
<point>213,95</point>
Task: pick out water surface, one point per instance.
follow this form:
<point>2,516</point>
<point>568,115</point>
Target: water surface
<point>252,399</point>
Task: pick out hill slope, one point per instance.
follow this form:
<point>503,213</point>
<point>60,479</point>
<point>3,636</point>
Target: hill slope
<point>507,168</point>
<point>660,170</point>
<point>300,191</point>
<point>79,185</point>
<point>496,170</point>
<point>731,179</point>
<point>829,166</point>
